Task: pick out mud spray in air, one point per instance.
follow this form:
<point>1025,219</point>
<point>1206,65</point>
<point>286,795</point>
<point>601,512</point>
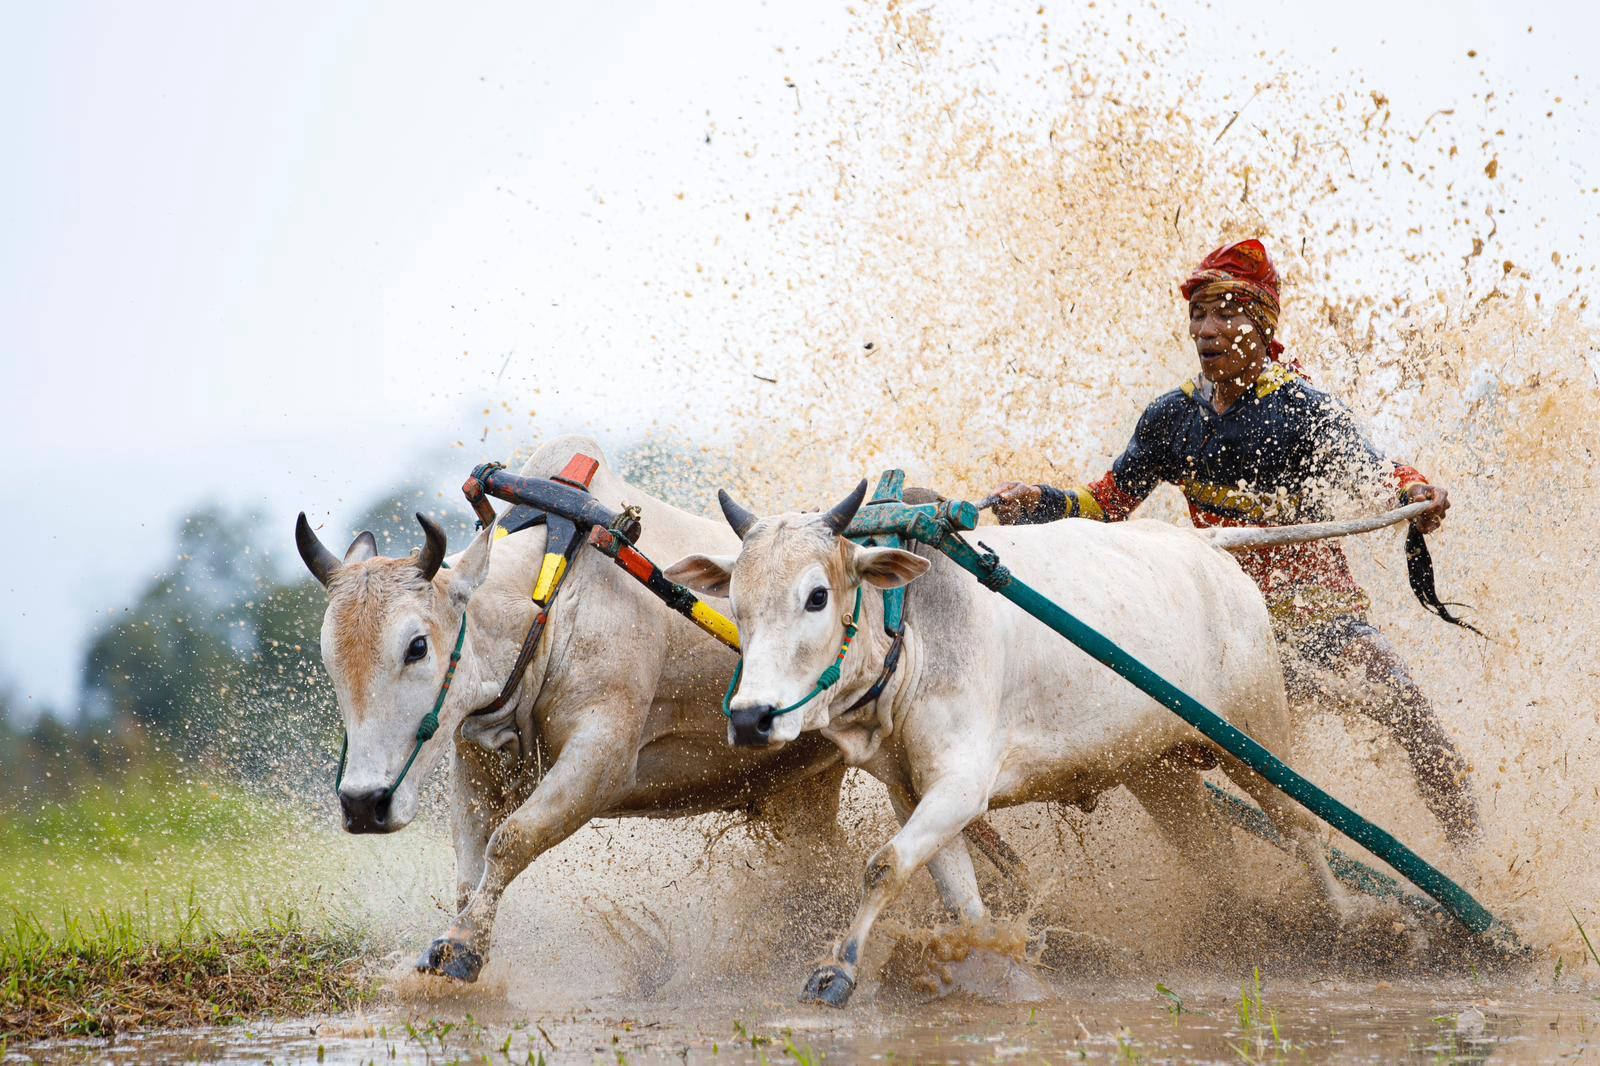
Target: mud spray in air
<point>981,286</point>
<point>970,270</point>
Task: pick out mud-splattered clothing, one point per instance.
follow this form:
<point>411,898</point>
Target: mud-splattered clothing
<point>1344,662</point>
<point>1273,458</point>
<point>1277,457</point>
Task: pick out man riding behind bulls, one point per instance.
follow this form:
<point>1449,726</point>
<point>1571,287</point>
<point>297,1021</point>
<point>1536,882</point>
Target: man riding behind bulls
<point>1250,442</point>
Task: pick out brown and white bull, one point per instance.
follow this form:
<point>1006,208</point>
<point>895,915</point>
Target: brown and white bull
<point>617,715</point>
<point>990,708</point>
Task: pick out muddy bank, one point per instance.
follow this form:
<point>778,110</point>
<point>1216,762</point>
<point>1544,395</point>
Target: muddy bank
<point>107,976</point>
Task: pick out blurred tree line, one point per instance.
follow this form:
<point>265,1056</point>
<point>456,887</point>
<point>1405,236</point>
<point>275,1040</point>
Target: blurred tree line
<point>215,667</point>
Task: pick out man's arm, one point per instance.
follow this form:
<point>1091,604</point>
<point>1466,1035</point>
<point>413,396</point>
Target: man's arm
<point>1020,504</point>
<point>1113,498</point>
<point>1344,443</point>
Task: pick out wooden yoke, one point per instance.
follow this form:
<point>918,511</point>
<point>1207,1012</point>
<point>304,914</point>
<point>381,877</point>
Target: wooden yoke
<point>886,516</point>
<point>573,517</point>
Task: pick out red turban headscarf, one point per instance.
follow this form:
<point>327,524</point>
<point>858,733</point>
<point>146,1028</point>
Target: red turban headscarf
<point>1245,270</point>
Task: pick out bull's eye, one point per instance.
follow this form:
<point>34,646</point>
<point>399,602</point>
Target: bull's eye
<point>818,599</point>
<point>416,649</point>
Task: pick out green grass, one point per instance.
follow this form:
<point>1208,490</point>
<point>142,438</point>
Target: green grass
<point>1583,933</point>
<point>162,902</point>
<point>1258,1024</point>
<point>148,846</point>
<point>119,970</point>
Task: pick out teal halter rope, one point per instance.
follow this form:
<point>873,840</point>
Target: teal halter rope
<point>430,721</point>
<point>829,678</point>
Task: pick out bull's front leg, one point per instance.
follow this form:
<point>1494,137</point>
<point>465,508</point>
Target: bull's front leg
<point>944,810</point>
<point>950,867</point>
<point>480,798</point>
<point>592,770</point>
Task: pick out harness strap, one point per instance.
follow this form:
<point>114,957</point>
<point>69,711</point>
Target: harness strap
<point>891,489</point>
<point>891,659</point>
<point>530,645</point>
<point>553,572</point>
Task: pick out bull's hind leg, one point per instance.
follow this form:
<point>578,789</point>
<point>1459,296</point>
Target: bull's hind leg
<point>1175,797</point>
<point>1298,828</point>
<point>944,810</point>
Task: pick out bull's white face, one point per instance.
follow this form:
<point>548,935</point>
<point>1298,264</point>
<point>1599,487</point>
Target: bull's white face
<point>387,636</point>
<point>792,588</point>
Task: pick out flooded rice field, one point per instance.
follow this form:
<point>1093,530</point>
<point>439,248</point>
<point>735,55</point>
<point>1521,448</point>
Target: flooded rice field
<point>1405,1021</point>
<point>673,942</point>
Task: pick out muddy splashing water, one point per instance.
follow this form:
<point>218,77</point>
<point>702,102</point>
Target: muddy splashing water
<point>968,268</point>
<point>974,276</point>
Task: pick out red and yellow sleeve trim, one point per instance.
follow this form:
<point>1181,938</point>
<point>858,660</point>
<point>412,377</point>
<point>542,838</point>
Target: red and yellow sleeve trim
<point>1082,504</point>
<point>1406,476</point>
<point>1111,501</point>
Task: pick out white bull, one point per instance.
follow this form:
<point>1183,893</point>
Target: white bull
<point>989,707</point>
<point>618,713</point>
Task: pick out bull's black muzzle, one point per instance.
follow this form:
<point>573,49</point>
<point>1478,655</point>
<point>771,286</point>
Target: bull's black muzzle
<point>751,727</point>
<point>366,812</point>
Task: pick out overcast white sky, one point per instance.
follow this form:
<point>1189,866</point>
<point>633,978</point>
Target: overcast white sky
<point>246,246</point>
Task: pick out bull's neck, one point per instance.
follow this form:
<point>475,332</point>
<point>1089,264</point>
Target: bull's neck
<point>470,672</point>
<point>862,667</point>
<point>487,656</point>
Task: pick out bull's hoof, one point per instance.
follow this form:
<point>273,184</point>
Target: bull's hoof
<point>829,985</point>
<point>451,958</point>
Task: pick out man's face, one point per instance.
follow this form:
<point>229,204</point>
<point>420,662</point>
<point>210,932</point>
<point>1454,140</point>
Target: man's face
<point>1230,345</point>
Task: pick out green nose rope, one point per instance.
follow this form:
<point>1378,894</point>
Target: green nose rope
<point>829,678</point>
<point>430,721</point>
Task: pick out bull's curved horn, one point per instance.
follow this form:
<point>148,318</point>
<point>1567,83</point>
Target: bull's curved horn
<point>322,563</point>
<point>740,519</point>
<point>838,519</point>
<point>432,553</point>
<point>364,547</point>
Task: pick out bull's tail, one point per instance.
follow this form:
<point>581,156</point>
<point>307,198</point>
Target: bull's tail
<point>1016,886</point>
<point>1248,538</point>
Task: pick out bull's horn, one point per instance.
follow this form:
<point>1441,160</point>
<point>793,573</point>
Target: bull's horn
<point>838,519</point>
<point>740,519</point>
<point>432,553</point>
<point>322,563</point>
<point>364,547</point>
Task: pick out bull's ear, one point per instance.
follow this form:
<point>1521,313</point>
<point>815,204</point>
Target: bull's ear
<point>364,547</point>
<point>473,566</point>
<point>705,574</point>
<point>887,568</point>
